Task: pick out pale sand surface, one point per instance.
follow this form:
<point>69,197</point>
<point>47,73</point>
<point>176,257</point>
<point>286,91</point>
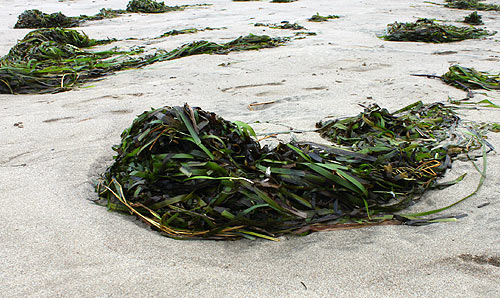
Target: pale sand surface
<point>55,242</point>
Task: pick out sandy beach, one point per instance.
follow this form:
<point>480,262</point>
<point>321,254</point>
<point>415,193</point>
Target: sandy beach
<point>55,242</point>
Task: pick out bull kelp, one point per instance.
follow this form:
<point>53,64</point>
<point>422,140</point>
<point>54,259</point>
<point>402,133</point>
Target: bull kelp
<point>426,30</point>
<point>191,174</point>
<point>55,60</point>
<point>471,5</point>
<point>469,78</point>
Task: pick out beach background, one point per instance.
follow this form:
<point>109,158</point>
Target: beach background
<point>56,242</point>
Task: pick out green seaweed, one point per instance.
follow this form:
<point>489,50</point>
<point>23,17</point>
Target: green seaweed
<point>426,30</point>
<point>473,19</point>
<point>55,60</point>
<point>104,13</point>
<point>34,18</point>
<point>306,33</point>
<point>282,25</point>
<point>471,5</point>
<point>469,78</point>
<point>191,174</point>
<point>151,6</point>
<point>318,18</point>
<point>186,31</point>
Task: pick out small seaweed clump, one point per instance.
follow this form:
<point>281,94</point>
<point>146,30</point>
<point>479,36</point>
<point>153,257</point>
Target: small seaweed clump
<point>282,1</point>
<point>318,18</point>
<point>55,60</point>
<point>186,31</point>
<point>469,78</point>
<point>426,30</point>
<point>150,6</point>
<point>473,19</point>
<point>191,174</point>
<point>306,33</point>
<point>282,25</point>
<point>471,5</point>
<point>34,18</point>
<point>104,13</point>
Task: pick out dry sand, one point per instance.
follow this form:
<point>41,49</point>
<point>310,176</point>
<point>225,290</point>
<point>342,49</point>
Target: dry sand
<point>56,242</point>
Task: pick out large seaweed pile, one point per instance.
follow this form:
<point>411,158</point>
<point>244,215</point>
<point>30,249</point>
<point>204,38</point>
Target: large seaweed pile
<point>190,174</point>
<point>55,60</point>
<point>426,30</point>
